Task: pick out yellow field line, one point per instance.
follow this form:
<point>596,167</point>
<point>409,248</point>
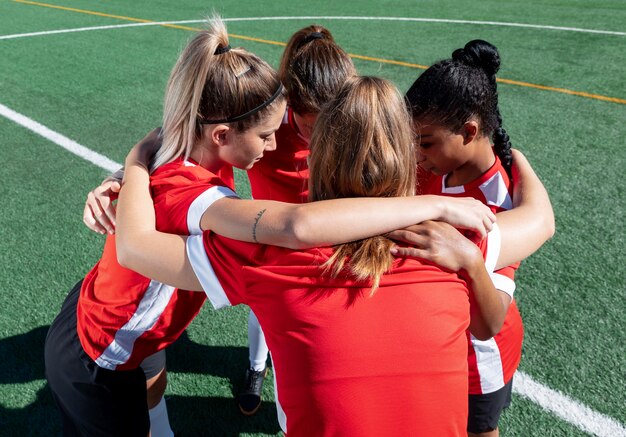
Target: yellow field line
<point>365,58</point>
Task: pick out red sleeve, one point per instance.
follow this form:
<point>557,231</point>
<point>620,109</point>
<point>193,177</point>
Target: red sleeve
<point>220,264</point>
<point>182,195</point>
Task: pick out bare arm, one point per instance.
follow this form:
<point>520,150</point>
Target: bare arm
<point>140,247</point>
<point>334,221</point>
<point>443,245</point>
<point>531,222</point>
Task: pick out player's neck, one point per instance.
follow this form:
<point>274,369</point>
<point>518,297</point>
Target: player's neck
<point>203,156</point>
<point>479,163</point>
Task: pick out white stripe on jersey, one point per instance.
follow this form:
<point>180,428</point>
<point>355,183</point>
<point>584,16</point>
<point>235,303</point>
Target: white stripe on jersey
<point>495,192</point>
<point>494,241</point>
<point>282,417</point>
<point>489,364</point>
<point>204,271</point>
<point>458,189</point>
<point>149,310</point>
<point>503,283</point>
<point>202,203</point>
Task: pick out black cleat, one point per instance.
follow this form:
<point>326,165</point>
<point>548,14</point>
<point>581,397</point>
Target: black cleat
<point>249,398</point>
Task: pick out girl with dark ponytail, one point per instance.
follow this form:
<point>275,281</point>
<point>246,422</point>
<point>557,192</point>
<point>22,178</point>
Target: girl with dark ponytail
<point>462,144</point>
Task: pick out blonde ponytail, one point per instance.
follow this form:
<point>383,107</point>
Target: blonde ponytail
<point>362,146</point>
<point>212,81</point>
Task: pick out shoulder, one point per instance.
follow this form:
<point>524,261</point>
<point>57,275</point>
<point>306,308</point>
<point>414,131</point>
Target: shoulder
<point>181,173</point>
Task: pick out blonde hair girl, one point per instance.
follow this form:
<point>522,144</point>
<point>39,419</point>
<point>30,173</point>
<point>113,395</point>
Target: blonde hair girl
<point>368,152</point>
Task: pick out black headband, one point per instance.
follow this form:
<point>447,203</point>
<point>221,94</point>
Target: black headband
<point>220,50</point>
<point>250,112</point>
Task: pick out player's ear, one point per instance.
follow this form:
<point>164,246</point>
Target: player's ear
<point>219,134</point>
<point>469,130</point>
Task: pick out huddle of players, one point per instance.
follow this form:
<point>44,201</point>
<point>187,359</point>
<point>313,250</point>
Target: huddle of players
<point>462,151</point>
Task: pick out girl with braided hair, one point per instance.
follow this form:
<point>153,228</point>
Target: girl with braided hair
<point>462,144</point>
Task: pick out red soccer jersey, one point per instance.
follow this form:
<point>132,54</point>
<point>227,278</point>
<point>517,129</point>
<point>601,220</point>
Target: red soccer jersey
<point>492,362</point>
<point>283,174</point>
<point>346,363</point>
<point>124,317</point>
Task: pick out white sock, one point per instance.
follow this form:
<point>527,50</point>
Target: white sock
<point>256,344</point>
<point>159,421</point>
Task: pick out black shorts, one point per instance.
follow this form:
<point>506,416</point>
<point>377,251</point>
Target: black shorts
<point>93,401</point>
<point>485,410</point>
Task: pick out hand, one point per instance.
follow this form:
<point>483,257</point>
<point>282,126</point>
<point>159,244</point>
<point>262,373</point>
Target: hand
<point>437,242</point>
<point>142,153</point>
<point>468,213</point>
<point>99,213</point>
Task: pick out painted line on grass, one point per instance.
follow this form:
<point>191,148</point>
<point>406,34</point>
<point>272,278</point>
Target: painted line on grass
<point>549,399</point>
<point>78,29</point>
<point>321,17</point>
<point>568,409</point>
<point>173,24</point>
<point>61,140</point>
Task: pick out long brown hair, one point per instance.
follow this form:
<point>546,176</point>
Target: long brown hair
<point>362,146</point>
<point>313,67</point>
<point>211,81</point>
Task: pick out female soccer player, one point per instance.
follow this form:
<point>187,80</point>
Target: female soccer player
<point>312,69</point>
<point>222,107</point>
<point>454,105</point>
<point>326,312</point>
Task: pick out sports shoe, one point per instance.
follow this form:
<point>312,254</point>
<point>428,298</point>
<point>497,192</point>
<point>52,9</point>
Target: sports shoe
<point>249,398</point>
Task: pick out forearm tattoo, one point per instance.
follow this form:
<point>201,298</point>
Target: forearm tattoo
<point>256,222</point>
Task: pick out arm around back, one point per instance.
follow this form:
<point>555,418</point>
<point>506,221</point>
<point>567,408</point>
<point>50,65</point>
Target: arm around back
<point>527,226</point>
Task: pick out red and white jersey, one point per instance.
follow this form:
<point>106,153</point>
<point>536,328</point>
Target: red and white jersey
<point>347,363</point>
<point>124,317</point>
<point>492,362</point>
<point>283,174</point>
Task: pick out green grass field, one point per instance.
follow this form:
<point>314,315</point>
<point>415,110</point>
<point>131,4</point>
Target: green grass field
<point>103,88</point>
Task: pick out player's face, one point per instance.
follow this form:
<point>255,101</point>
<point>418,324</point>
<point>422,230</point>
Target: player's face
<point>304,123</point>
<point>439,150</point>
<point>247,147</point>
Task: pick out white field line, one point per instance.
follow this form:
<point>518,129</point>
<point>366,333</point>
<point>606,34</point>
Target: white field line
<point>61,140</point>
<point>78,29</point>
<point>550,400</point>
<point>568,409</point>
<point>354,18</point>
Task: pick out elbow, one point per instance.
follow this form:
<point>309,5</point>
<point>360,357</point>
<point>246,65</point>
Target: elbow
<point>124,252</point>
<point>485,328</point>
<point>549,226</point>
<point>485,332</point>
<point>299,230</point>
<point>480,335</point>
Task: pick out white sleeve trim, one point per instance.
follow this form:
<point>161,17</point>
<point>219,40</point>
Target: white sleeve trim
<point>204,271</point>
<point>503,283</point>
<point>494,241</point>
<point>202,203</point>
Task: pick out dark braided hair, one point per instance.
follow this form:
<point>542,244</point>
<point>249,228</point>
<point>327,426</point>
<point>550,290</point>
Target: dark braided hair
<point>454,90</point>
